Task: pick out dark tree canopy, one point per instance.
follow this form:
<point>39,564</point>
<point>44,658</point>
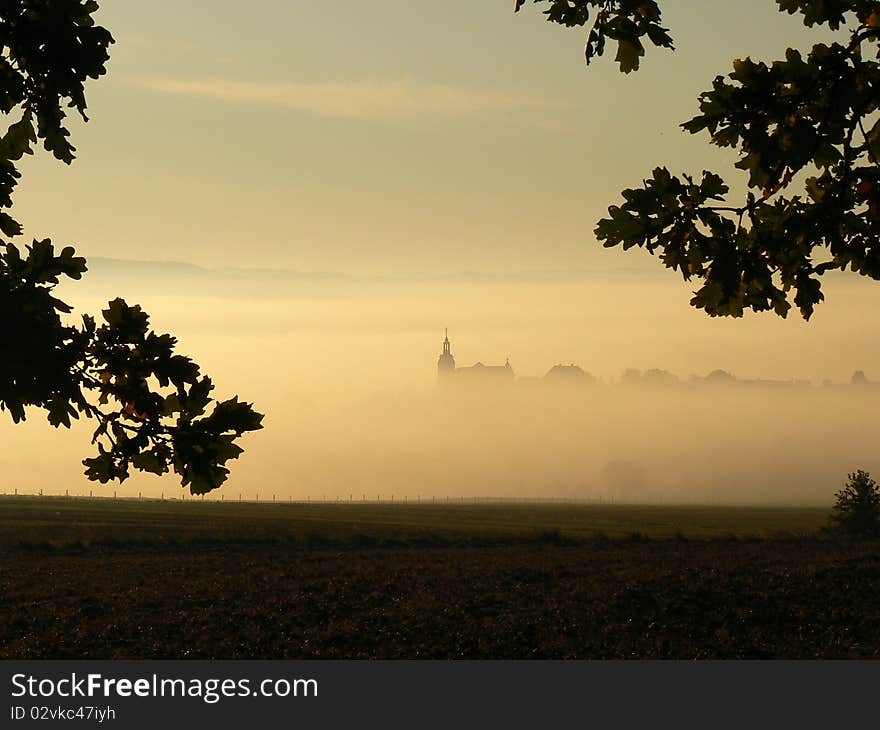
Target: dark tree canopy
<point>807,132</point>
<point>153,407</point>
<point>857,508</point>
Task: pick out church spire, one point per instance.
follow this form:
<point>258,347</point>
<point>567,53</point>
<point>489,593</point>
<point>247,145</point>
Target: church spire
<point>446,362</point>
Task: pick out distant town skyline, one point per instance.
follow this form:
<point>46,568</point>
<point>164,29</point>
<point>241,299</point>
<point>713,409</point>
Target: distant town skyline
<point>573,373</point>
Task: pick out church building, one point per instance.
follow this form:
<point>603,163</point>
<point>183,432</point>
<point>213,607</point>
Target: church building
<point>478,373</point>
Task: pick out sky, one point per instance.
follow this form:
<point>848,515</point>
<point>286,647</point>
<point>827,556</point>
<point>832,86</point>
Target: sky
<point>308,194</point>
<point>350,136</point>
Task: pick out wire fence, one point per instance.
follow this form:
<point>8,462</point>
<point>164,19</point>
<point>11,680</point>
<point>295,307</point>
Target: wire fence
<point>350,499</point>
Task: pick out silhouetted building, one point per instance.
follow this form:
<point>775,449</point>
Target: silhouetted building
<point>446,362</point>
<point>562,376</point>
<point>567,374</point>
<point>475,373</point>
<point>482,372</point>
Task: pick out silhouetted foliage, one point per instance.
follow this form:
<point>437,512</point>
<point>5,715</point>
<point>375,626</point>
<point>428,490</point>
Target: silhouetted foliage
<point>652,376</point>
<point>857,510</point>
<point>628,22</point>
<point>807,132</point>
<point>720,377</point>
<point>858,378</point>
<point>153,407</point>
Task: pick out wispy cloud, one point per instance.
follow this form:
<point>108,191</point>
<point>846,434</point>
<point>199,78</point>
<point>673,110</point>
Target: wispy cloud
<point>384,101</point>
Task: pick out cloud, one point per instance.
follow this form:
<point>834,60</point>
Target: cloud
<point>383,101</point>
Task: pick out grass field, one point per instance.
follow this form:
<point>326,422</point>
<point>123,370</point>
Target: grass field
<point>148,579</point>
<point>62,521</point>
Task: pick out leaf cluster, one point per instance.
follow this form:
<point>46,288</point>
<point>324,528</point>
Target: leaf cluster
<point>162,415</point>
<point>38,352</point>
<point>807,131</point>
<point>629,23</point>
<point>48,50</point>
<point>153,407</point>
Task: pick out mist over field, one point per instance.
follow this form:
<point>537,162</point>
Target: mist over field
<point>345,369</point>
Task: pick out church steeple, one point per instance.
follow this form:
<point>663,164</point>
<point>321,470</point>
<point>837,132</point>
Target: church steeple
<point>446,362</point>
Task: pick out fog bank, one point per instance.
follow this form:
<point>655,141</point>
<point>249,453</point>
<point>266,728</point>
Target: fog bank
<point>347,377</point>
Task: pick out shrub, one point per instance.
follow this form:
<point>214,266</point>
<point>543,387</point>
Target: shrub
<point>857,510</point>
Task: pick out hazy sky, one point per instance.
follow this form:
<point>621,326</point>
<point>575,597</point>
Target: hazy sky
<point>446,163</point>
<point>377,137</point>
